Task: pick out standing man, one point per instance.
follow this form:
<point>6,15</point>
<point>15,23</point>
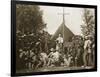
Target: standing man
<point>59,44</point>
<point>93,53</point>
<point>87,52</point>
<point>90,51</point>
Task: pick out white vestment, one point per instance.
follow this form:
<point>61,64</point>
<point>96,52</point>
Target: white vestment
<point>60,40</point>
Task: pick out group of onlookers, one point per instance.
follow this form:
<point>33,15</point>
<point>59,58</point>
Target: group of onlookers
<point>81,54</point>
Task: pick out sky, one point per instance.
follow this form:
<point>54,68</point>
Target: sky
<point>53,19</point>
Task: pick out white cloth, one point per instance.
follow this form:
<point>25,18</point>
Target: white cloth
<point>60,40</point>
<point>57,47</point>
<point>87,44</point>
<point>67,61</point>
<point>56,56</point>
<point>50,54</point>
<point>43,56</point>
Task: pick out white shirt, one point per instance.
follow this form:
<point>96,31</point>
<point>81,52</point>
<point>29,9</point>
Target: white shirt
<point>87,43</point>
<point>60,40</point>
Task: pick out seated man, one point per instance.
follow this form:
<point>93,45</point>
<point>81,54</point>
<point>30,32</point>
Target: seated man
<point>53,57</point>
<point>67,60</point>
<point>50,57</point>
<point>43,58</point>
<point>56,56</point>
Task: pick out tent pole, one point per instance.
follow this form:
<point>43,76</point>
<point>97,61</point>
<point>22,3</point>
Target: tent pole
<point>63,27</point>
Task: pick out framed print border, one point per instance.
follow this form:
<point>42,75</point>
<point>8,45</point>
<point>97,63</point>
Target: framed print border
<point>13,37</point>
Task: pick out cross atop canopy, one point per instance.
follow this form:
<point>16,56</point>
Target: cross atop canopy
<point>63,14</point>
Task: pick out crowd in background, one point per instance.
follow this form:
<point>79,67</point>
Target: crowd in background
<point>80,52</point>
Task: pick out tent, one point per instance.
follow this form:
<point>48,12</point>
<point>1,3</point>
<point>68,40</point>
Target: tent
<point>65,33</point>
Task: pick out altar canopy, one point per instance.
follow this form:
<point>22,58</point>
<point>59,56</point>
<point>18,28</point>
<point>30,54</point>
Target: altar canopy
<point>65,33</point>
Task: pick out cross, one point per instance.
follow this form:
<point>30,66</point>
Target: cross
<point>63,14</point>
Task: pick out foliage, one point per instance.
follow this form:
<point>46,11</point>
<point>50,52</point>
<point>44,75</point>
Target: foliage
<point>88,26</point>
<point>29,32</point>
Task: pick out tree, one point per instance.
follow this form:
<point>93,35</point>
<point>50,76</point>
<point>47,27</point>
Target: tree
<point>29,18</point>
<point>88,26</point>
<point>29,23</point>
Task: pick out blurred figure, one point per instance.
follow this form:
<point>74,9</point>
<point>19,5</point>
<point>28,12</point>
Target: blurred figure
<point>87,52</point>
<point>56,57</point>
<point>67,60</point>
<point>43,58</point>
<point>57,46</point>
<point>93,53</point>
<point>90,51</point>
<point>50,57</point>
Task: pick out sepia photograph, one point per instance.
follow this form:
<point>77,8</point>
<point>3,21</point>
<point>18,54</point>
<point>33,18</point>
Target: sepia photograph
<point>54,38</point>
